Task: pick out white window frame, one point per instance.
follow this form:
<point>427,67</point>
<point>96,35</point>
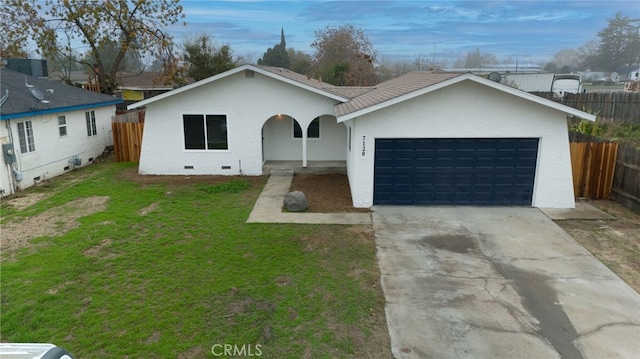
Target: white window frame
<point>25,136</point>
<point>62,126</point>
<point>90,117</point>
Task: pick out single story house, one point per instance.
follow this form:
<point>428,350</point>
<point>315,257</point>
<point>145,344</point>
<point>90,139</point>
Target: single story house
<point>48,128</point>
<point>420,139</point>
<point>139,86</point>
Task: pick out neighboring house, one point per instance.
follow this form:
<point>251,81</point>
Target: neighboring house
<point>48,128</point>
<point>76,77</point>
<point>420,139</point>
<point>139,86</point>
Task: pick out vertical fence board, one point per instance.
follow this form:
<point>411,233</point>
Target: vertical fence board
<point>593,165</point>
<point>603,169</point>
<point>615,107</point>
<point>127,136</point>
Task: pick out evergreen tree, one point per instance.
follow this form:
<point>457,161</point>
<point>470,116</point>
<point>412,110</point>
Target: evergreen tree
<point>205,59</point>
<point>619,43</point>
<point>277,55</point>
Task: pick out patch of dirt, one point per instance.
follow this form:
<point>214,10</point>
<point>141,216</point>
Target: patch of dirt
<point>326,193</point>
<point>91,252</point>
<point>50,223</point>
<point>616,242</point>
<point>22,201</point>
<point>148,209</point>
<point>195,352</point>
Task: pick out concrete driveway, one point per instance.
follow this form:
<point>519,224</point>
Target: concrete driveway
<point>498,283</point>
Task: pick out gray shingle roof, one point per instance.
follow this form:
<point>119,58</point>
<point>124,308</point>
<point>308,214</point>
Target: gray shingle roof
<point>405,84</point>
<point>343,91</point>
<point>21,103</point>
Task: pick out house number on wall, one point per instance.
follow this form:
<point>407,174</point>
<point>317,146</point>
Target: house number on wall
<point>363,146</point>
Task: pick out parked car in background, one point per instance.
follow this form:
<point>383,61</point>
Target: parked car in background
<point>32,351</point>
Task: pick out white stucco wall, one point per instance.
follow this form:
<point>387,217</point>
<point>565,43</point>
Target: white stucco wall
<point>467,110</point>
<point>52,152</point>
<point>280,145</point>
<point>248,103</point>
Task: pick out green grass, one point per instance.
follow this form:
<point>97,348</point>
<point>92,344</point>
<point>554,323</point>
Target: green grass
<point>187,275</point>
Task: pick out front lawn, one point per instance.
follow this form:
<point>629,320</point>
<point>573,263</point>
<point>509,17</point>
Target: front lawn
<point>109,267</point>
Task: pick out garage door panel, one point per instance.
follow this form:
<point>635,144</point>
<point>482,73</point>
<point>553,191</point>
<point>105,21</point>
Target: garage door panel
<point>455,171</point>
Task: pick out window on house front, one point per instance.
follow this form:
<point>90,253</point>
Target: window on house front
<point>25,136</point>
<point>92,130</point>
<point>62,126</point>
<point>312,132</point>
<point>205,132</point>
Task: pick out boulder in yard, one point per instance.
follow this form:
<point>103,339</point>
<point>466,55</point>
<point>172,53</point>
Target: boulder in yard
<point>295,201</point>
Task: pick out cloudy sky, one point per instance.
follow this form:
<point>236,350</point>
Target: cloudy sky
<point>523,30</point>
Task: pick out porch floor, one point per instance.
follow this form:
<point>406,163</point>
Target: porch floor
<point>318,167</point>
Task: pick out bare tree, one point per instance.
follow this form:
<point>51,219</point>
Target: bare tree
<point>134,26</point>
<point>344,56</point>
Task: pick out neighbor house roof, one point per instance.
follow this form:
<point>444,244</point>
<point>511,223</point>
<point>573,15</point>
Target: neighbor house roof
<point>142,81</point>
<point>417,83</point>
<point>21,103</point>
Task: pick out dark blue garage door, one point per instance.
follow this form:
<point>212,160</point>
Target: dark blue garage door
<point>455,171</point>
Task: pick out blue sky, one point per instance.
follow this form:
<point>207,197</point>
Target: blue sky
<point>523,30</point>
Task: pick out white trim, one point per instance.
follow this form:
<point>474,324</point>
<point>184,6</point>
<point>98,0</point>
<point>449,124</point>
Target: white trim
<point>464,77</point>
<point>233,72</point>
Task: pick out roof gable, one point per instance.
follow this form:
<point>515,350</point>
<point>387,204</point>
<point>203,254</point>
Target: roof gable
<point>415,84</point>
<point>21,103</point>
<point>277,73</point>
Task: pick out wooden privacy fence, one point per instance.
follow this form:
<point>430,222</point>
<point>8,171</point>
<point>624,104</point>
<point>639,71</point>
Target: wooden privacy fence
<point>626,182</point>
<point>127,136</point>
<point>593,165</point>
<point>600,171</point>
<point>616,107</point>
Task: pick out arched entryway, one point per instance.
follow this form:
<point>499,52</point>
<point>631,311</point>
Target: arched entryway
<point>301,140</point>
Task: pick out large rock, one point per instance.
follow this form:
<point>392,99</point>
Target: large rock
<point>295,201</point>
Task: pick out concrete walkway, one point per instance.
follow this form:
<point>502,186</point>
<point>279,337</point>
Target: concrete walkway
<point>268,207</point>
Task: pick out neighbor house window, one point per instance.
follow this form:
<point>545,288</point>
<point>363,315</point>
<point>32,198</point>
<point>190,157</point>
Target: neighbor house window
<point>25,135</point>
<point>62,126</point>
<point>91,123</point>
<point>205,132</point>
<point>312,132</point>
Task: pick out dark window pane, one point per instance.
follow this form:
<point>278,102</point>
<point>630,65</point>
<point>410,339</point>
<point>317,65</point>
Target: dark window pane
<point>193,132</point>
<point>297,131</point>
<point>217,132</point>
<point>314,128</point>
<point>88,120</point>
<point>23,137</point>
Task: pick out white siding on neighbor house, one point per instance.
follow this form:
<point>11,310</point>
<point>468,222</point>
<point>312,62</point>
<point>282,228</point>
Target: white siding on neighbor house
<point>467,110</point>
<point>529,82</point>
<point>54,152</point>
<point>248,102</point>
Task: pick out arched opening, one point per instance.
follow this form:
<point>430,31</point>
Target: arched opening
<point>296,141</point>
<point>277,139</point>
